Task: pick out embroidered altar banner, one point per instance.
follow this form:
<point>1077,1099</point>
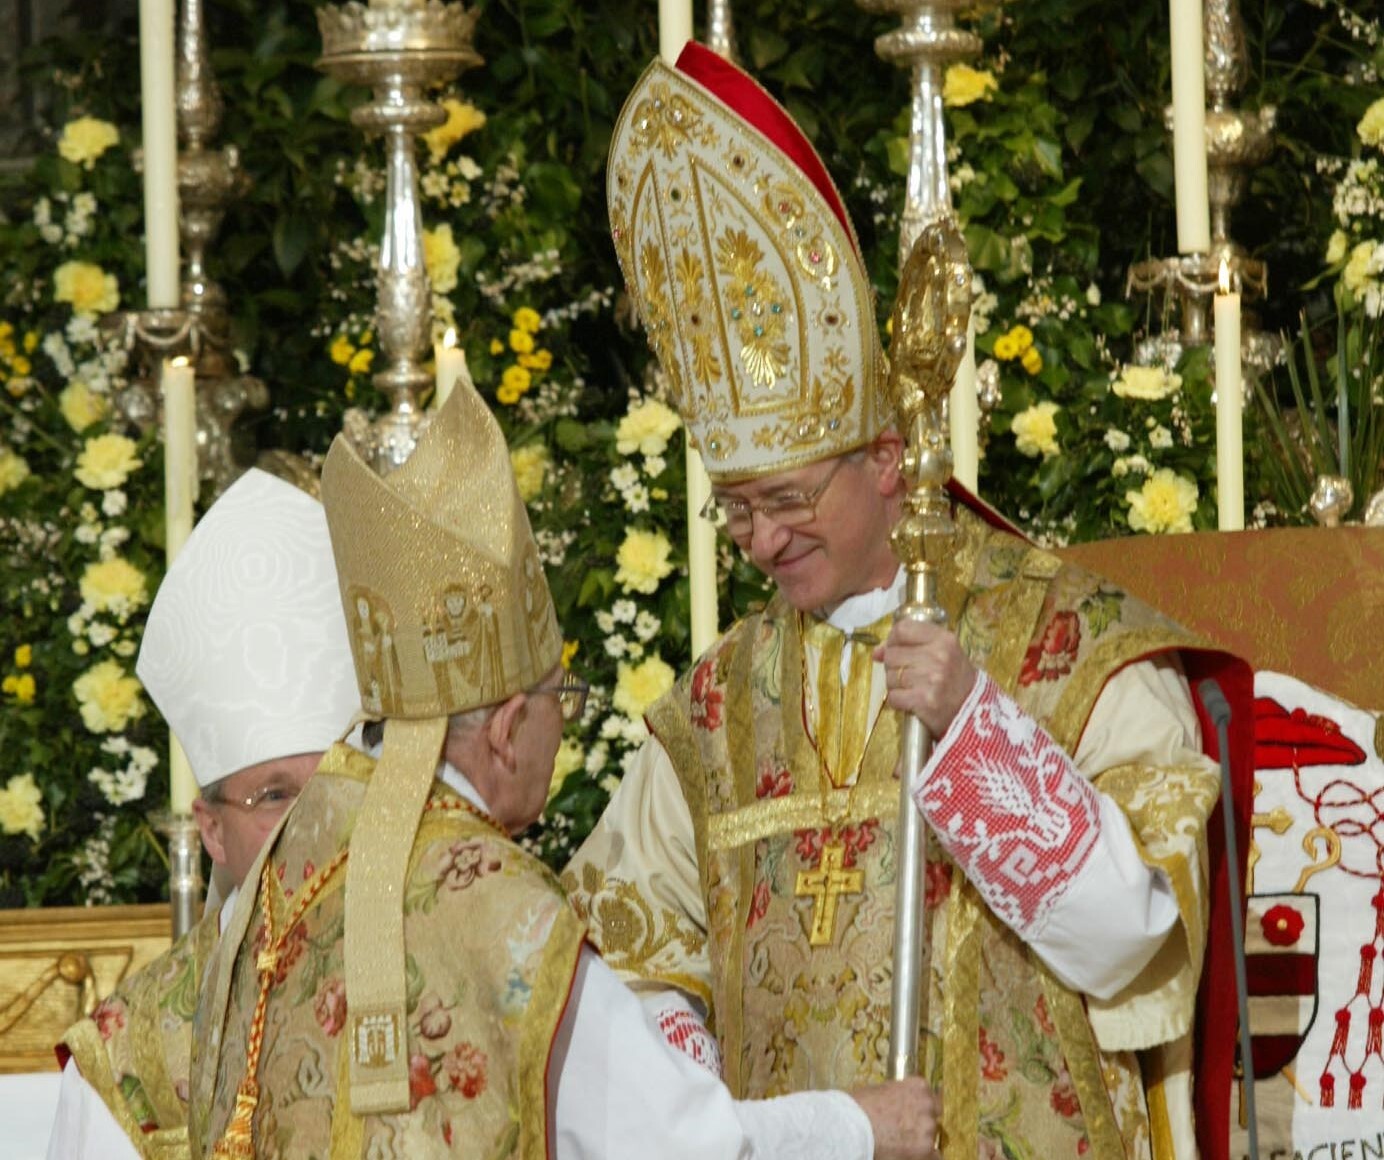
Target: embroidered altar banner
<point>1314,932</point>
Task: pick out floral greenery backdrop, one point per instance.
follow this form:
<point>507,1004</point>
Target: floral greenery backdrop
<point>1060,174</point>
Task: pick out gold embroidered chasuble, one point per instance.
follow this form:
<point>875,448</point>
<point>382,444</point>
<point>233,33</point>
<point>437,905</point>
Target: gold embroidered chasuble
<point>492,949</point>
<point>1013,1051</point>
<point>135,1050</point>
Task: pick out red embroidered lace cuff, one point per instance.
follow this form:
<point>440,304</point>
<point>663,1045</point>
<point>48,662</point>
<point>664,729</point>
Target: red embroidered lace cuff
<point>689,1035</point>
<point>1010,806</point>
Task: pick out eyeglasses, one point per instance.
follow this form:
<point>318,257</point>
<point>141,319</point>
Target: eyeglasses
<point>571,694</point>
<point>788,509</point>
<point>267,800</point>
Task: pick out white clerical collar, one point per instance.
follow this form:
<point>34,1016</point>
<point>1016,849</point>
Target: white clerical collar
<point>224,915</point>
<point>864,608</point>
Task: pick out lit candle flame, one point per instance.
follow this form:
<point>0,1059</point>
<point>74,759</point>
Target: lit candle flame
<point>450,338</point>
<point>1224,278</point>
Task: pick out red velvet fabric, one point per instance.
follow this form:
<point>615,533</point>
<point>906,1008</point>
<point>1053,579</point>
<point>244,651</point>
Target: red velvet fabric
<point>743,95</point>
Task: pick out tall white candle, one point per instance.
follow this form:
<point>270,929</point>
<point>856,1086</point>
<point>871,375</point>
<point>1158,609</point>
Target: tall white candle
<point>964,412</point>
<point>1189,128</point>
<point>451,367</point>
<point>179,383</point>
<point>674,28</point>
<point>1230,455</point>
<point>160,153</point>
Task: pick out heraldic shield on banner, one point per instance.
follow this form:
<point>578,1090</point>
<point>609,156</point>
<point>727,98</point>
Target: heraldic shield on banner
<point>1281,952</point>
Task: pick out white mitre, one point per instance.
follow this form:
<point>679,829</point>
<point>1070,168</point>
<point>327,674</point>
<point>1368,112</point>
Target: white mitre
<point>245,652</point>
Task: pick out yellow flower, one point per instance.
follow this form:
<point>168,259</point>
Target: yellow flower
<point>540,360</point>
<point>30,341</point>
<point>642,561</point>
<point>88,287</point>
<point>1032,361</point>
<point>1165,503</point>
<point>21,806</point>
<point>22,688</point>
<point>106,462</point>
<point>14,470</point>
<point>1336,247</point>
<point>1035,430</point>
<point>570,758</point>
<point>109,697</point>
<point>1356,275</point>
<point>520,341</point>
<point>639,686</point>
<point>81,406</point>
<point>442,258</point>
<point>527,318</point>
<point>24,656</point>
<point>496,346</point>
<point>360,361</point>
<point>1371,127</point>
<point>516,380</point>
<point>114,585</point>
<point>85,139</point>
<point>964,85</point>
<point>507,395</point>
<point>530,465</point>
<point>569,650</point>
<point>20,365</point>
<point>461,120</point>
<point>1150,383</point>
<point>341,350</point>
<point>646,429</point>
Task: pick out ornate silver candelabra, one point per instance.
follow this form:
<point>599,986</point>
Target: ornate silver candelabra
<point>720,29</point>
<point>399,50</point>
<point>1236,140</point>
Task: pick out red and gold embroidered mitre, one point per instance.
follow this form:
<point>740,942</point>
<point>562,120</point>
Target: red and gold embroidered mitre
<point>737,251</point>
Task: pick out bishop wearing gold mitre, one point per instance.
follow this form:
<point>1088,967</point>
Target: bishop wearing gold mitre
<point>743,875</point>
<point>400,978</point>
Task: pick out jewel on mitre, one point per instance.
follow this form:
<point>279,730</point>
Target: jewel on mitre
<point>1293,740</point>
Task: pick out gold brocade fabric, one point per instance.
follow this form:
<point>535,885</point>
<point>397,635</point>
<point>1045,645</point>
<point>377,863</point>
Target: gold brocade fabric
<point>136,1048</point>
<point>1018,1063</point>
<point>492,949</point>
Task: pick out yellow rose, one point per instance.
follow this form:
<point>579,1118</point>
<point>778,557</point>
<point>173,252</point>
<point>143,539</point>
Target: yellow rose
<point>964,85</point>
<point>1150,383</point>
<point>1165,503</point>
<point>114,585</point>
<point>1356,275</point>
<point>109,697</point>
<point>1035,430</point>
<point>520,341</point>
<point>442,259</point>
<point>1336,247</point>
<point>14,470</point>
<point>527,318</point>
<point>21,806</point>
<point>106,462</point>
<point>516,380</point>
<point>530,465</point>
<point>461,120</point>
<point>570,758</point>
<point>642,561</point>
<point>24,656</point>
<point>639,686</point>
<point>1371,127</point>
<point>85,139</point>
<point>646,429</point>
<point>360,361</point>
<point>341,350</point>
<point>1032,361</point>
<point>81,406</point>
<point>88,287</point>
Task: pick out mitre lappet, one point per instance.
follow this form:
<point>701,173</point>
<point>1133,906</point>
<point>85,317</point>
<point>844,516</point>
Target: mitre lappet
<point>447,609</point>
<point>745,270</point>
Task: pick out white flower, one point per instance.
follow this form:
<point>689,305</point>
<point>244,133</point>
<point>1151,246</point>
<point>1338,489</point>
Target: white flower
<point>113,502</point>
<point>1092,295</point>
<point>1160,437</point>
<point>646,626</point>
<point>605,622</point>
<point>624,611</point>
<point>654,465</point>
<point>616,645</point>
<point>1116,440</point>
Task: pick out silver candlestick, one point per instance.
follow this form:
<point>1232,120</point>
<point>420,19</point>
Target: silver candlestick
<point>399,50</point>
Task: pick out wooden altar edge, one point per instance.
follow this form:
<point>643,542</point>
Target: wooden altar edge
<point>57,963</point>
<point>1308,602</point>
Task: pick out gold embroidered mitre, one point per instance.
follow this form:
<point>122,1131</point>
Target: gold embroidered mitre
<point>446,601</point>
<point>447,609</point>
<point>745,271</point>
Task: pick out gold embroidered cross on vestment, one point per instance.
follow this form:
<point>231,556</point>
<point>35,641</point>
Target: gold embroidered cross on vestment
<point>825,885</point>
